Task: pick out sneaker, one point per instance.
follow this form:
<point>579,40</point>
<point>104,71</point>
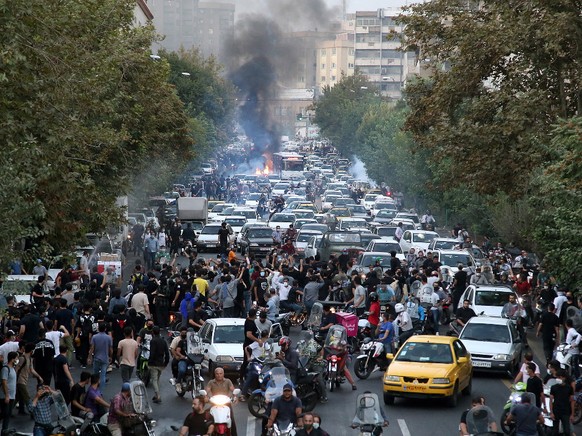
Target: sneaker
<point>242,398</point>
<point>323,400</point>
<point>354,388</point>
<point>83,366</point>
<point>173,381</point>
<point>179,388</point>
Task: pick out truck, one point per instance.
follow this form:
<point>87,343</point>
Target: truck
<point>192,210</point>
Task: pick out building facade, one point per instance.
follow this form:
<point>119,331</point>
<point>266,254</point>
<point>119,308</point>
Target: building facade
<point>334,59</point>
<point>141,13</point>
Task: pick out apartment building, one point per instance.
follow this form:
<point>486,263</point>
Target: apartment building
<point>334,58</point>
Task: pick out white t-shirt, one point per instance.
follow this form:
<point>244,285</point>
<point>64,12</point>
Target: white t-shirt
<point>139,302</point>
<point>259,351</point>
<point>523,370</point>
<point>404,321</point>
<point>162,239</point>
<point>7,347</point>
<point>55,337</point>
<point>284,291</point>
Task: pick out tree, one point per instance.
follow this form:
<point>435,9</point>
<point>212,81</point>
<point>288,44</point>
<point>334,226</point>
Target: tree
<point>501,75</point>
<point>83,109</point>
<point>558,227</point>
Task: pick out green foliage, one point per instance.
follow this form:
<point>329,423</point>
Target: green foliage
<point>83,109</point>
<point>559,204</point>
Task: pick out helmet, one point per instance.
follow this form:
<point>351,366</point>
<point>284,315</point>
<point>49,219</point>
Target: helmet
<point>399,308</point>
<point>285,341</point>
<point>373,296</point>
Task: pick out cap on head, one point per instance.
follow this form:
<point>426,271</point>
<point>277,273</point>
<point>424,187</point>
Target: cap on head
<point>287,387</point>
<point>125,387</point>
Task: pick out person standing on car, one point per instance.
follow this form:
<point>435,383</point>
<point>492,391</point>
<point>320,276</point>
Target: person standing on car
<point>223,236</point>
<point>459,285</point>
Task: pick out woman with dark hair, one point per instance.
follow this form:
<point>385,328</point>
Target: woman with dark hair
<point>317,424</point>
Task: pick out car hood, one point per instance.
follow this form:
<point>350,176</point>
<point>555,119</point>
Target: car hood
<point>207,237</point>
<point>234,350</point>
<point>493,311</point>
<point>483,347</point>
<point>420,369</point>
<point>260,240</point>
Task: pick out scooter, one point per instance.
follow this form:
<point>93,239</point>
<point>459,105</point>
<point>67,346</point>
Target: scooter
<point>514,398</point>
<point>479,421</point>
<point>221,412</point>
<point>369,419</point>
<point>283,428</point>
<point>372,357</point>
<point>563,356</point>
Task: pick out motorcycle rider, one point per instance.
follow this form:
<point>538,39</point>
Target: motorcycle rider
<point>289,357</point>
<point>180,356</point>
<point>340,348</point>
<point>404,323</point>
<point>220,385</point>
<point>120,409</point>
<point>308,426</point>
<point>287,407</point>
<point>199,422</point>
<point>257,350</point>
<point>328,320</point>
<point>526,417</point>
<point>374,311</point>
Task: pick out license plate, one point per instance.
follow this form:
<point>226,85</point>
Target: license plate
<point>479,364</point>
<point>211,245</point>
<point>414,388</point>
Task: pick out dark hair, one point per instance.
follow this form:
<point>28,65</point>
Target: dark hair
<point>156,330</point>
<point>525,398</point>
<point>29,346</point>
<point>63,348</point>
<point>95,378</point>
<point>102,327</point>
<point>85,375</point>
<point>11,356</point>
<point>127,330</point>
<point>531,366</point>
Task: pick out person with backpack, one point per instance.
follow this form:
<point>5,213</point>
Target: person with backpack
<point>8,389</point>
<point>43,358</point>
<point>84,333</point>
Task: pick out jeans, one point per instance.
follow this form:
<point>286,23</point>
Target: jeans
<point>566,429</point>
<point>88,417</point>
<point>41,431</point>
<point>294,307</point>
<point>435,315</point>
<point>156,372</point>
<point>248,302</point>
<point>126,373</point>
<point>575,365</point>
<point>100,367</point>
<point>22,396</point>
<point>182,368</point>
<point>6,413</point>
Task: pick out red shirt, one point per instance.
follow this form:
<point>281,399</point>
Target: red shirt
<point>522,287</point>
<point>374,316</point>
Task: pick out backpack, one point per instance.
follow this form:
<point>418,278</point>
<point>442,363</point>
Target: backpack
<point>86,324</point>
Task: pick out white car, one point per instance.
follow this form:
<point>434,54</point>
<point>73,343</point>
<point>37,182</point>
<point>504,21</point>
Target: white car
<point>303,213</point>
<point>494,344</point>
<point>302,240</point>
<point>253,199</point>
<point>369,200</point>
<point>236,222</point>
<point>452,258</point>
<point>443,244</point>
<point>280,188</point>
<point>249,213</point>
<point>385,245</point>
<point>282,220</point>
<point>207,168</point>
<point>352,224</point>
<point>409,216</point>
<point>208,238</point>
<point>327,201</point>
<point>223,338</point>
<point>313,246</point>
<point>487,299</point>
<point>379,205</point>
<point>417,239</point>
<point>371,257</point>
<point>214,214</point>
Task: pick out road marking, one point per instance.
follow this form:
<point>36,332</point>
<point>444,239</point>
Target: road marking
<point>403,427</point>
<point>251,421</point>
<point>508,383</point>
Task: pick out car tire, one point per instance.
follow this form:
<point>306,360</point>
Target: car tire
<point>453,400</point>
<point>469,387</point>
<point>388,399</point>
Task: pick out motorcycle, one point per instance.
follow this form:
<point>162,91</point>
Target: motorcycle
<point>142,369</point>
<point>307,386</point>
<point>272,382</point>
<point>221,412</point>
<point>372,357</point>
<point>193,381</point>
<point>140,425</point>
<point>368,417</point>
<point>283,428</point>
<point>284,320</point>
<point>479,420</point>
<point>563,356</point>
<point>335,348</point>
<point>514,398</point>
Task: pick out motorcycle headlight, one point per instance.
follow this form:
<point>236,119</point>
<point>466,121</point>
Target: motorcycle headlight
<point>197,366</point>
<point>501,357</point>
<point>441,381</point>
<point>515,397</point>
<point>391,378</point>
<point>261,378</point>
<point>224,359</point>
<point>153,423</point>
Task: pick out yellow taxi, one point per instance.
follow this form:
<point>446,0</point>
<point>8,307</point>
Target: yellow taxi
<point>429,367</point>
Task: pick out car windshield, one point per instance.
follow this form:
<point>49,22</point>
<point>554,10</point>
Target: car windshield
<point>210,230</point>
<point>370,197</point>
<point>345,238</point>
<point>229,334</point>
<point>491,298</point>
<point>319,227</point>
<point>304,237</point>
<point>444,245</point>
<point>280,218</point>
<point>423,237</point>
<point>386,231</point>
<point>486,333</point>
<point>219,208</point>
<point>408,216</point>
<point>453,259</point>
<point>386,213</point>
<point>304,214</point>
<point>387,247</point>
<point>380,206</point>
<point>247,213</point>
<point>237,222</point>
<point>367,260</point>
<point>357,208</point>
<point>346,224</point>
<point>260,233</point>
<point>423,352</point>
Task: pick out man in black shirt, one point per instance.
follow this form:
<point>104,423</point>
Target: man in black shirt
<point>464,314</point>
<point>43,357</point>
<point>250,337</point>
<point>30,324</point>
<point>197,317</point>
<point>287,407</point>
<point>535,385</point>
<point>78,392</point>
<point>223,234</point>
<point>459,285</point>
<point>562,404</point>
<point>199,422</point>
<point>548,328</point>
<point>327,320</point>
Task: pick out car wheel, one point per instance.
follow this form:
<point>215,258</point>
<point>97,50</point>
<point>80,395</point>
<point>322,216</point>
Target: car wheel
<point>469,387</point>
<point>388,399</point>
<point>453,400</point>
<point>504,427</point>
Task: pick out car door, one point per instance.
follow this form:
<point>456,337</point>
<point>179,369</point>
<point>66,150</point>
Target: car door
<point>516,345</point>
<point>406,241</point>
<point>464,369</point>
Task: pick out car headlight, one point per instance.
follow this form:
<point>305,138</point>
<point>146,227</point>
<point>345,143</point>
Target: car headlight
<point>253,244</point>
<point>224,359</point>
<point>501,357</point>
<point>441,381</point>
<point>391,378</point>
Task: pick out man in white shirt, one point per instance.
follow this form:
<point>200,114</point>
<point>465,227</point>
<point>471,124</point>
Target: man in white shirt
<point>140,302</point>
<point>398,232</point>
<point>54,335</point>
<point>573,338</point>
<point>559,301</point>
<point>11,344</point>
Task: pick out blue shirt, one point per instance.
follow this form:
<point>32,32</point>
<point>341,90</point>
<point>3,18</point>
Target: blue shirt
<point>101,343</point>
<point>387,326</point>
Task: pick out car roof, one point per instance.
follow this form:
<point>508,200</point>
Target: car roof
<point>493,288</point>
<point>452,252</point>
<point>489,320</point>
<point>227,321</point>
<point>432,339</point>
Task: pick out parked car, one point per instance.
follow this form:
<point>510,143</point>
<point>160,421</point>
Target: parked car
<point>494,344</point>
<point>282,220</point>
<point>385,245</point>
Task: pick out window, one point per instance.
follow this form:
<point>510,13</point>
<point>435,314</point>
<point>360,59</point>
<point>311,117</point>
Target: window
<point>333,51</point>
<point>323,78</point>
<point>350,65</point>
<point>333,78</point>
<point>323,66</point>
<point>333,64</point>
<point>322,52</point>
<point>393,69</point>
<point>393,54</point>
<point>460,350</point>
<point>388,21</point>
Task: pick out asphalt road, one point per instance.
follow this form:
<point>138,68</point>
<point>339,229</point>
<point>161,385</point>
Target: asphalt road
<point>407,417</point>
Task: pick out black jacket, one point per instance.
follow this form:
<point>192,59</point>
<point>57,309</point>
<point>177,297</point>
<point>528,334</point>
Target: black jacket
<point>159,353</point>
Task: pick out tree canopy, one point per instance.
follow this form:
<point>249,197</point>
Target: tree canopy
<point>83,109</point>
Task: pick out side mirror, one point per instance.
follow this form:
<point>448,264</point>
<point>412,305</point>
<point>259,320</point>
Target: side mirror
<point>463,360</point>
<point>389,356</point>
